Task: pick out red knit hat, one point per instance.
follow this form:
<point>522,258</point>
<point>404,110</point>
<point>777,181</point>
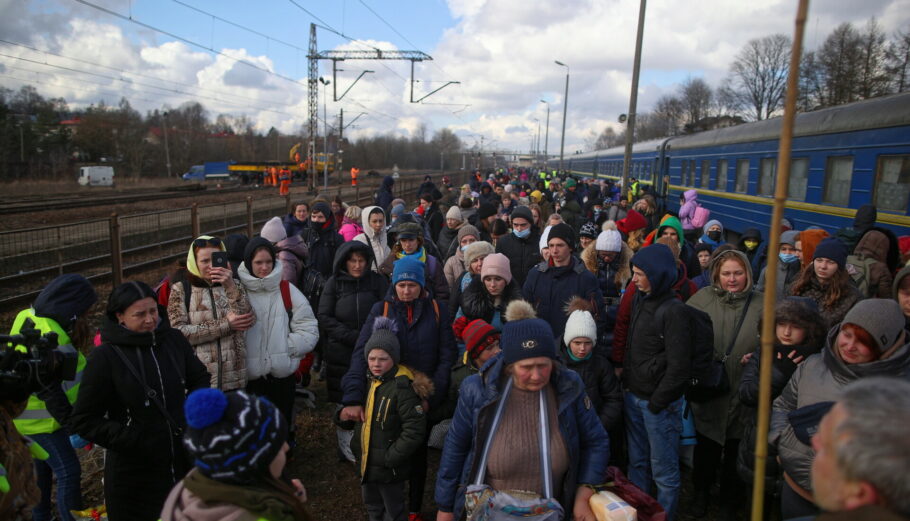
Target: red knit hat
<point>633,221</point>
<point>479,335</point>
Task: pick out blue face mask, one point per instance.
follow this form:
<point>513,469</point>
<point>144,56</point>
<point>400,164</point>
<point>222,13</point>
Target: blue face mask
<point>523,233</point>
<point>787,258</point>
<point>464,248</point>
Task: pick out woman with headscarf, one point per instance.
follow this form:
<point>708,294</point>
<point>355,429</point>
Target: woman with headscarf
<point>131,402</point>
<point>374,235</point>
<point>285,332</point>
<point>212,311</point>
<point>455,266</point>
<point>735,309</point>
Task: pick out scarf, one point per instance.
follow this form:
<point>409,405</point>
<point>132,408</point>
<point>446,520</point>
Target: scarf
<point>256,500</point>
<point>420,254</point>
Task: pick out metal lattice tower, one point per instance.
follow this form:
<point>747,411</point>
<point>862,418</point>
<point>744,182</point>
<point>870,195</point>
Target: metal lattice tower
<point>313,105</point>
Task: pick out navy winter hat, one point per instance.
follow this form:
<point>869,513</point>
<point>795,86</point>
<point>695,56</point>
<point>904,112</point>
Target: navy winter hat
<point>323,208</point>
<point>565,232</point>
<point>523,212</point>
<point>408,268</point>
<point>832,248</point>
<point>232,437</point>
<point>524,335</point>
<point>65,299</point>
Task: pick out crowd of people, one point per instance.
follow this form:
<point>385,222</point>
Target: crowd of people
<point>522,313</point>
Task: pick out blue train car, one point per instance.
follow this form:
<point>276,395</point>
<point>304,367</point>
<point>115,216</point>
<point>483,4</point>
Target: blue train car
<point>842,158</point>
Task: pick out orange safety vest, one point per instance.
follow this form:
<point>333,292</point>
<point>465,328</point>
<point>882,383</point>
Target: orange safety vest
<point>354,172</point>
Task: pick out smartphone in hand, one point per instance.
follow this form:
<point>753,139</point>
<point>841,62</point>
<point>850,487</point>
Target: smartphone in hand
<point>220,260</point>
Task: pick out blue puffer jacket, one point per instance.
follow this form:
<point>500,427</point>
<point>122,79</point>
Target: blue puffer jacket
<point>549,288</point>
<point>585,437</point>
<point>427,345</point>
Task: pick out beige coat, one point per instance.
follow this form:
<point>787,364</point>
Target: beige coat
<point>222,350</point>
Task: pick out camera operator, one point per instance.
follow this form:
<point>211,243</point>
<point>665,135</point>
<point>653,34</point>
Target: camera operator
<point>61,308</point>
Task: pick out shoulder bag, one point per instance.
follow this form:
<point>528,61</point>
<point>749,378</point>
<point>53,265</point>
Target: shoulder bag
<point>483,503</point>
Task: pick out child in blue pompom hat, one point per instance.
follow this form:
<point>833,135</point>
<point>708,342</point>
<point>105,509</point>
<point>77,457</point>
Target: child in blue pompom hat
<point>238,443</point>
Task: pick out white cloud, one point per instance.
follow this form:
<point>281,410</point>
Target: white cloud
<point>502,52</point>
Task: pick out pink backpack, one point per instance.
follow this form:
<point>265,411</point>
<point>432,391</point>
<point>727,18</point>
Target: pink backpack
<point>700,217</point>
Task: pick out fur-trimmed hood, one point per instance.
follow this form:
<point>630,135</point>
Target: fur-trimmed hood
<point>623,262</point>
<point>422,385</point>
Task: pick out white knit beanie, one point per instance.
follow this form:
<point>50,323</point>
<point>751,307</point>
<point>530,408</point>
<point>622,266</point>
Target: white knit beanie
<point>580,324</point>
<point>273,231</point>
<point>543,238</point>
<point>609,240</point>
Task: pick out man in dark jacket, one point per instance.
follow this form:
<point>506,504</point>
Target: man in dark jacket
<point>551,284</point>
<point>657,372</point>
<point>321,239</point>
<point>384,195</point>
<point>520,246</point>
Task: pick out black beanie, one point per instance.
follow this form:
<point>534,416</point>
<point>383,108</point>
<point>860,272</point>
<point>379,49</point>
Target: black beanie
<point>832,248</point>
<point>486,210</point>
<point>562,231</point>
<point>523,212</point>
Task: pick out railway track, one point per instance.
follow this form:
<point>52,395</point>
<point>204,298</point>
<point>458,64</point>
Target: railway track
<point>139,243</point>
<point>27,204</point>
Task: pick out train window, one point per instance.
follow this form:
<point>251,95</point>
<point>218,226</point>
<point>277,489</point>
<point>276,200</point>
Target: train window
<point>683,172</point>
<point>892,183</point>
<point>799,179</point>
<point>742,176</point>
<point>838,176</point>
<point>705,173</point>
<point>722,175</point>
<point>767,177</point>
<point>692,172</point>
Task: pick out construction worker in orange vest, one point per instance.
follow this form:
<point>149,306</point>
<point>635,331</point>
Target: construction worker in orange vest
<point>284,177</point>
<point>354,172</point>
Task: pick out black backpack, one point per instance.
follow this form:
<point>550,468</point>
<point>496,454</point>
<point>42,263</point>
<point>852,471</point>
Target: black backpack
<point>702,334</point>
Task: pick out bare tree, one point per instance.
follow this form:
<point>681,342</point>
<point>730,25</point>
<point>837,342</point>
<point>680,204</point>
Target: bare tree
<point>758,76</point>
<point>897,57</point>
<point>669,112</point>
<point>696,97</point>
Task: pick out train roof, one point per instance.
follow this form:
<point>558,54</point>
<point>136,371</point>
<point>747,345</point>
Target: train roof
<point>882,112</point>
<point>643,146</point>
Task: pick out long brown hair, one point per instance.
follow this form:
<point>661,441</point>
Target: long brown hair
<point>836,288</point>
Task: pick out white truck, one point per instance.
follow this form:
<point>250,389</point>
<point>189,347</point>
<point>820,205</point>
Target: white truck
<point>96,176</point>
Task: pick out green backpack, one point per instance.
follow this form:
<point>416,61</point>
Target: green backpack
<point>859,266</point>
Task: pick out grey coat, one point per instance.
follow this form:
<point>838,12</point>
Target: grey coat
<point>821,378</point>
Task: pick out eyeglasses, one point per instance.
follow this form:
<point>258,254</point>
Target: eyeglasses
<point>203,243</point>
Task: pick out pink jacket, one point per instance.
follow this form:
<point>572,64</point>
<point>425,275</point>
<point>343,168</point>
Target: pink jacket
<point>687,210</point>
<point>350,229</point>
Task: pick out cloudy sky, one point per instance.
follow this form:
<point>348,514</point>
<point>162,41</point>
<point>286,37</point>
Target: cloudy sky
<point>166,52</point>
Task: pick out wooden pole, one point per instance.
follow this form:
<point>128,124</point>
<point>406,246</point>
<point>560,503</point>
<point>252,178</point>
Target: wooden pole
<point>768,330</point>
<point>116,251</point>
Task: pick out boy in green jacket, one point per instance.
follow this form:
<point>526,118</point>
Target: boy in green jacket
<point>393,426</point>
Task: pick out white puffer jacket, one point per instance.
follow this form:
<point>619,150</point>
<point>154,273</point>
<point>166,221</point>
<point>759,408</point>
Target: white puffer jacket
<point>272,346</point>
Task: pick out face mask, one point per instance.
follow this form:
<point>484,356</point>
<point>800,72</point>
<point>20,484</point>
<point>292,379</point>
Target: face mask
<point>750,244</point>
<point>465,248</point>
<point>714,235</point>
<point>787,258</point>
<point>523,233</point>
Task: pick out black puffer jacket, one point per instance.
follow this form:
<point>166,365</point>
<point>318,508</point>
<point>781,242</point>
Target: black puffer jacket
<point>322,242</point>
<point>523,254</point>
<point>345,303</point>
<point>601,384</point>
<point>434,220</point>
<point>144,458</point>
<point>476,301</point>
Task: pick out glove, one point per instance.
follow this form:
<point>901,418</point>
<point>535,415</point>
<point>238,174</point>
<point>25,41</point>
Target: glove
<point>77,441</point>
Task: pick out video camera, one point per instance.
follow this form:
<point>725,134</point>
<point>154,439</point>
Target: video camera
<point>42,364</point>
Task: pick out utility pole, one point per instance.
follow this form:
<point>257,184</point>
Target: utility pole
<point>325,138</point>
<point>633,100</point>
<point>339,163</point>
<point>565,108</point>
<point>167,149</point>
<point>546,140</point>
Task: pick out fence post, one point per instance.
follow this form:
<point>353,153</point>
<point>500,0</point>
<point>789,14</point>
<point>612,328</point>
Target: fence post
<point>194,217</point>
<point>116,251</point>
<point>249,216</point>
<point>287,208</point>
